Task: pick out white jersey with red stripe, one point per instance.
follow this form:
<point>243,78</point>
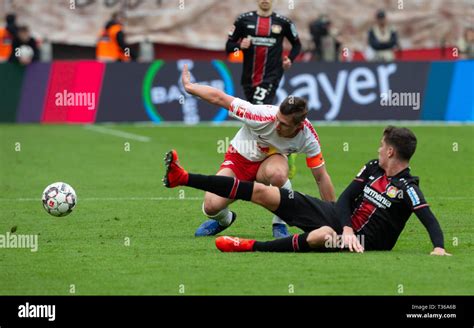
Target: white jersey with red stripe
<point>258,138</point>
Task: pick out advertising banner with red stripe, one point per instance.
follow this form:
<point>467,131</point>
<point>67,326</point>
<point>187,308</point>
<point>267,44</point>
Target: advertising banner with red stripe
<point>89,91</point>
<point>73,92</point>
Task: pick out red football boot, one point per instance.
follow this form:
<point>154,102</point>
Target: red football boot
<point>234,244</point>
<point>175,175</point>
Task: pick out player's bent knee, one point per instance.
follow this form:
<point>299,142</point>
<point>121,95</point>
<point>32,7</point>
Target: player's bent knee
<point>319,237</point>
<point>278,178</point>
<point>212,205</point>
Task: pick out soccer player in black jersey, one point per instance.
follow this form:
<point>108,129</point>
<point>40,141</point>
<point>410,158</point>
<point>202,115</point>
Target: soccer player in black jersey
<point>369,215</point>
<point>259,34</point>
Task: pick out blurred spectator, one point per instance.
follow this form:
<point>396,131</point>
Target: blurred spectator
<point>111,45</point>
<point>46,50</point>
<point>147,51</point>
<point>383,39</point>
<point>466,44</point>
<point>258,36</point>
<point>326,43</point>
<point>7,34</point>
<point>24,48</point>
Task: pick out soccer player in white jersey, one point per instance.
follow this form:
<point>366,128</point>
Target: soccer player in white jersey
<point>258,151</point>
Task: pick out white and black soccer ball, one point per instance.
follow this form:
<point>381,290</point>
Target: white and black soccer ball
<point>25,52</point>
<point>59,199</point>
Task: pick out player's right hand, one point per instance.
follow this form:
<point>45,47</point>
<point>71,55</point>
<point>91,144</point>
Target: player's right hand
<point>350,240</point>
<point>186,77</point>
<point>245,43</point>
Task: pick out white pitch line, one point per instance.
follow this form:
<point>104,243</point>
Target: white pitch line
<point>117,133</point>
<point>117,199</point>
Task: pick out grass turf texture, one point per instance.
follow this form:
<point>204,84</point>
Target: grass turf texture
<point>116,190</point>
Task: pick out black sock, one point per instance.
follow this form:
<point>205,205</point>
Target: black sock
<point>295,243</point>
<point>226,187</point>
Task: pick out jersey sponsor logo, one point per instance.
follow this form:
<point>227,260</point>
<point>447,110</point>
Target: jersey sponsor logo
<point>376,198</point>
<point>263,41</point>
<point>413,196</point>
<point>276,29</point>
<point>251,26</point>
<point>228,163</point>
<point>392,191</point>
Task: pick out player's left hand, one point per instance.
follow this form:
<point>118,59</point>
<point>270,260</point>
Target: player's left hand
<point>286,63</point>
<point>440,252</point>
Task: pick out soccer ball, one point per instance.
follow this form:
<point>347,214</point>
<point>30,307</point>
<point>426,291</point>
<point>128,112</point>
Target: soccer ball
<point>59,199</point>
<point>26,52</point>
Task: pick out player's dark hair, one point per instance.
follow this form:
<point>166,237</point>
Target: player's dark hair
<point>402,139</point>
<point>296,106</point>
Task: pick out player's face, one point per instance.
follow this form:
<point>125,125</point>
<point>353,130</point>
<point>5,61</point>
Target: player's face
<point>285,126</point>
<point>385,152</point>
<point>265,4</point>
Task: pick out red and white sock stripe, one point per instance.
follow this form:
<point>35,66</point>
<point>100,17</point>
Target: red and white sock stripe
<point>296,246</point>
<point>234,188</point>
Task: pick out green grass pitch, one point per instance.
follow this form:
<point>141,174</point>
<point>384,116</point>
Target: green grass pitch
<point>121,199</point>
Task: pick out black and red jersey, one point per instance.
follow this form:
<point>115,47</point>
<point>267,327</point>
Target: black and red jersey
<point>263,59</point>
<point>378,206</point>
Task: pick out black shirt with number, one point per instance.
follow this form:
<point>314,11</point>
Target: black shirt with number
<point>263,59</point>
<point>377,207</point>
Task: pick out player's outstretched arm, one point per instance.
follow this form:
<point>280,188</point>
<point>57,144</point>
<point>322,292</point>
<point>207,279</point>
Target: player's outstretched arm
<point>211,95</point>
<point>323,180</point>
<point>431,224</point>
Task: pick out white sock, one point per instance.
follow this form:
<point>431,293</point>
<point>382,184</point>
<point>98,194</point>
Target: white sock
<point>276,219</point>
<point>224,217</point>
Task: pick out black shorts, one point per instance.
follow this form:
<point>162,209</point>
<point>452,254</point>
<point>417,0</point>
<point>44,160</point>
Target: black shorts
<point>306,212</point>
<point>263,94</point>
